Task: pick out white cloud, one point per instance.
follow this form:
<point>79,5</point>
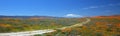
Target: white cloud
<point>101,6</point>
<point>111,4</point>
<point>91,7</point>
<point>85,8</point>
<point>72,15</point>
<point>108,11</point>
<point>118,4</point>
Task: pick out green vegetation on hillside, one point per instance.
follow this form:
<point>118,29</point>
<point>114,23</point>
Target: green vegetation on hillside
<point>16,24</point>
<point>106,26</point>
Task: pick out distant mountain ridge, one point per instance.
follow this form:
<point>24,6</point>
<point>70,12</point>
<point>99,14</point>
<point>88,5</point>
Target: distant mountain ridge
<point>106,16</point>
<point>25,17</point>
<point>48,17</point>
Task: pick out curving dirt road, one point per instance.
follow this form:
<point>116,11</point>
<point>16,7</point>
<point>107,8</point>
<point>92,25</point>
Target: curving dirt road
<point>27,33</point>
<point>76,25</point>
<point>31,33</point>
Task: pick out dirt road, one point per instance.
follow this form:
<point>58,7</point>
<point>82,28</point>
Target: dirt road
<point>31,33</point>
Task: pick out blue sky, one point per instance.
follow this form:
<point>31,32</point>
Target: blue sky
<point>59,8</point>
